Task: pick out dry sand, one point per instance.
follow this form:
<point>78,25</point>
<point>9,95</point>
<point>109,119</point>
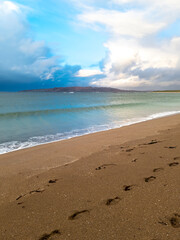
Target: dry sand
<point>124,186</point>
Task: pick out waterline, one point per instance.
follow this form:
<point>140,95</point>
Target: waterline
<point>40,140</point>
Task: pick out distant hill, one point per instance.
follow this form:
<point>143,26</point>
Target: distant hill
<point>78,89</point>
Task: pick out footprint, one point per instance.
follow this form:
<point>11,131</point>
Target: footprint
<point>129,150</point>
<point>111,201</point>
<point>74,215</point>
<point>171,147</point>
<point>47,236</point>
<point>104,166</point>
<point>173,164</point>
<point>37,191</point>
<point>158,169</point>
<point>134,160</point>
<point>175,221</point>
<point>149,179</point>
<point>53,180</point>
<point>152,142</point>
<point>176,158</point>
<point>31,192</point>
<point>20,196</point>
<point>127,187</point>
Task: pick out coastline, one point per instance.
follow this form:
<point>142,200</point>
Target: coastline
<point>25,145</point>
<point>82,146</point>
<point>42,186</point>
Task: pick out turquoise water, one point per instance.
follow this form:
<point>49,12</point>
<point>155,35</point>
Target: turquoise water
<point>29,119</point>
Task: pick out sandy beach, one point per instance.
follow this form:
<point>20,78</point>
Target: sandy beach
<point>121,184</point>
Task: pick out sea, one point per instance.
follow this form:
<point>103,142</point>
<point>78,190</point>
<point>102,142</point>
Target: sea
<point>29,119</point>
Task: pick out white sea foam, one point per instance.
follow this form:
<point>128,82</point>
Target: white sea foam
<point>39,140</point>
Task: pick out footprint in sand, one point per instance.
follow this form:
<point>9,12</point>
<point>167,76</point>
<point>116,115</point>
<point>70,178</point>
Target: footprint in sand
<point>53,180</point>
<point>134,160</point>
<point>149,179</point>
<point>19,197</point>
<point>158,169</point>
<point>149,143</point>
<point>176,158</point>
<point>76,214</point>
<point>171,147</point>
<point>130,149</point>
<point>175,220</point>
<point>47,236</point>
<point>128,187</point>
<point>104,166</point>
<point>152,142</point>
<point>31,192</point>
<point>37,191</point>
<point>173,164</point>
<point>112,201</point>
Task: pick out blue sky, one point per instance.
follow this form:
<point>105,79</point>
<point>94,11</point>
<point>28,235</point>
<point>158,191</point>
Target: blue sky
<point>126,44</point>
<point>55,23</point>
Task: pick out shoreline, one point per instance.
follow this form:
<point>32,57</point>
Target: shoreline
<point>80,146</point>
<point>148,118</point>
<point>111,185</point>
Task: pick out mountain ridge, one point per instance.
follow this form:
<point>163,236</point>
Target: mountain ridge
<point>79,89</point>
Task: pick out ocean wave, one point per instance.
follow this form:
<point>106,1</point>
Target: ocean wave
<point>63,110</point>
<point>39,140</point>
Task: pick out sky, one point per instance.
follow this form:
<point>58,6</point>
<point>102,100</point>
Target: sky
<point>125,44</point>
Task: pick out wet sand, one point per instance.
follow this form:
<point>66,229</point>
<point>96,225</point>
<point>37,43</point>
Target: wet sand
<point>118,184</point>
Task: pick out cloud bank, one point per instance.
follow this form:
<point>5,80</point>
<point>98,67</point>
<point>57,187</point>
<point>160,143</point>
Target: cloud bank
<point>24,62</point>
<point>139,56</point>
<point>142,50</point>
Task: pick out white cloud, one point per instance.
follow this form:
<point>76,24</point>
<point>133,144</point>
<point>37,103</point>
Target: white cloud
<point>137,55</point>
<point>9,6</point>
<point>130,23</point>
<point>19,54</point>
<point>163,3</point>
<point>123,81</point>
<point>88,72</point>
<point>130,64</point>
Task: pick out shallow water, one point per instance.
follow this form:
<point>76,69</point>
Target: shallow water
<point>29,119</point>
